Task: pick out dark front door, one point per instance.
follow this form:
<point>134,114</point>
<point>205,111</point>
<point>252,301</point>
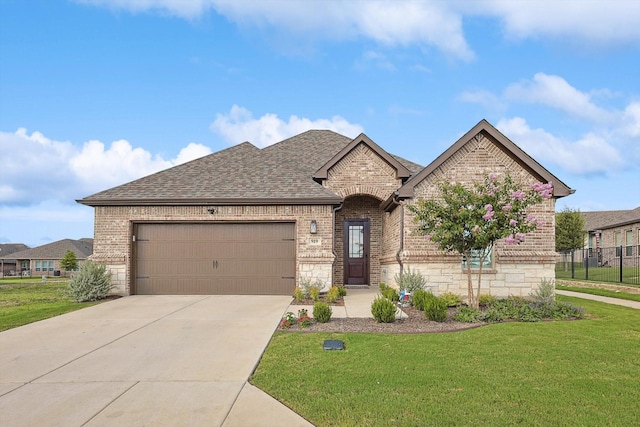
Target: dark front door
<point>356,252</point>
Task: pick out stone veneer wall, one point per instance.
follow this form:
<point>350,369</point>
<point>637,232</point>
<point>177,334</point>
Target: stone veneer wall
<point>516,270</point>
<point>114,225</point>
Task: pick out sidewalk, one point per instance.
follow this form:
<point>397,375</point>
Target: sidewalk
<point>608,300</point>
<point>357,303</point>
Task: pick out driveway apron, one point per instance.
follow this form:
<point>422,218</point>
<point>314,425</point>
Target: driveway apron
<point>140,360</point>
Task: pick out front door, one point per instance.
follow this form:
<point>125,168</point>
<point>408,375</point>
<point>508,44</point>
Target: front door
<point>356,252</point>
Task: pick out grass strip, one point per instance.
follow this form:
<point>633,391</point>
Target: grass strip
<point>22,303</point>
<point>600,292</point>
<point>570,373</point>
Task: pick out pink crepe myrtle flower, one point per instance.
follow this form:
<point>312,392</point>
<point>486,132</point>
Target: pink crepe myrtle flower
<point>513,222</point>
<point>493,176</point>
<point>488,216</point>
<point>427,237</point>
<point>507,207</point>
<point>520,237</point>
<point>518,195</point>
<point>489,207</point>
<point>544,190</point>
<point>510,240</point>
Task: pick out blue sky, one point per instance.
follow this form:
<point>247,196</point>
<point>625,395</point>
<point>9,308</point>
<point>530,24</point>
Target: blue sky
<point>96,93</point>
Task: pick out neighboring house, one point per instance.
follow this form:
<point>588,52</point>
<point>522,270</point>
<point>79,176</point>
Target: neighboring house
<point>318,206</point>
<point>8,266</point>
<point>612,229</point>
<point>45,260</point>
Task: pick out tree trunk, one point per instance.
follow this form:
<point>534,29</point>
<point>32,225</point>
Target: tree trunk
<point>470,300</point>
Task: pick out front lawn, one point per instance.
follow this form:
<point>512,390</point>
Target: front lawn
<point>571,373</point>
<point>25,301</point>
<point>601,292</point>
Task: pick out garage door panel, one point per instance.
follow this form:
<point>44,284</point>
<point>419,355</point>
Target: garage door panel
<point>255,258</point>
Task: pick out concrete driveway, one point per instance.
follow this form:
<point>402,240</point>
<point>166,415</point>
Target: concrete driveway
<point>143,360</point>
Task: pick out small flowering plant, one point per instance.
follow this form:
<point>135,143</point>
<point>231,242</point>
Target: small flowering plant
<point>469,220</point>
<point>287,320</point>
<point>303,318</point>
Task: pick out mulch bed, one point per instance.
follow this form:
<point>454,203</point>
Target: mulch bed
<point>414,323</point>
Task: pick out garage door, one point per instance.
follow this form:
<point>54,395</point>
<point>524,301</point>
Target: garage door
<point>207,259</point>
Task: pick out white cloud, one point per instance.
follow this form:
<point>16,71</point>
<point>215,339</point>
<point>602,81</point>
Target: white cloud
<point>426,23</point>
<point>45,169</point>
<point>556,92</point>
<point>631,119</point>
<point>589,154</point>
<point>239,125</point>
<point>600,22</point>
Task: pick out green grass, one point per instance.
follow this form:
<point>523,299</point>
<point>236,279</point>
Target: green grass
<point>601,292</point>
<point>575,373</point>
<point>27,301</point>
<point>630,275</point>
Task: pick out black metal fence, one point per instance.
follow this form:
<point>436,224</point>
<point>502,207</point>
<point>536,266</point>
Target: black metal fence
<point>619,264</point>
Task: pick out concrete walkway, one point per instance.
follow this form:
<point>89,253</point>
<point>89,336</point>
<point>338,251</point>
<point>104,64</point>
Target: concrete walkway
<point>144,360</point>
<point>608,300</point>
<point>357,303</point>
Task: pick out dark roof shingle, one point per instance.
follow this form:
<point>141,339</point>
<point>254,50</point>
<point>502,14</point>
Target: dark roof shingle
<point>83,248</point>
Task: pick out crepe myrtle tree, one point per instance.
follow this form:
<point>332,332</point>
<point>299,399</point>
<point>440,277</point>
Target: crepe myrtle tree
<point>470,220</point>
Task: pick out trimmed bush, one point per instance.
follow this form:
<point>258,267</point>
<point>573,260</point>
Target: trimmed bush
<point>451,299</point>
<point>410,281</point>
<point>435,309</point>
<point>565,310</point>
<point>468,315</point>
<point>389,292</point>
<point>333,294</point>
<point>91,283</point>
<point>310,287</point>
<point>383,310</point>
<point>493,315</point>
<point>487,300</point>
<point>342,291</point>
<point>322,312</point>
<point>420,298</point>
<point>298,294</point>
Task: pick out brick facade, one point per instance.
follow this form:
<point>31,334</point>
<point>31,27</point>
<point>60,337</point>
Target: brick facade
<point>366,178</point>
<point>114,230</point>
<point>516,270</point>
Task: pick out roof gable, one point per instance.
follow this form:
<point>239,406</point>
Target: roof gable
<point>560,189</point>
<point>401,171</point>
<point>82,248</point>
<point>602,220</point>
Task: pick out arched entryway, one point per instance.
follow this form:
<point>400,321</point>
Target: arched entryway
<point>357,244</point>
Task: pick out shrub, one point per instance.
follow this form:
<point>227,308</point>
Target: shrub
<point>565,310</point>
<point>468,315</point>
<point>383,310</point>
<point>91,283</point>
<point>315,293</point>
<point>435,309</point>
<point>342,291</point>
<point>307,285</point>
<point>333,294</point>
<point>529,313</point>
<point>322,312</point>
<point>493,315</point>
<point>298,294</point>
<point>487,300</point>
<point>389,292</point>
<point>510,307</point>
<point>410,281</point>
<point>451,299</point>
<point>303,318</point>
<point>287,320</point>
<point>420,298</point>
<point>544,298</point>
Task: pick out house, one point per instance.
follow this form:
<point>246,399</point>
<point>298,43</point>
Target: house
<point>318,206</point>
<point>8,265</point>
<point>45,260</point>
<point>611,234</point>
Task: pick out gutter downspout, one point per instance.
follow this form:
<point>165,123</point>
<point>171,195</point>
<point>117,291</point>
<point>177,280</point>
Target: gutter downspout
<point>333,242</point>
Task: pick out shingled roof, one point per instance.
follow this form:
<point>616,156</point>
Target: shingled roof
<point>602,220</point>
<point>83,248</point>
<point>243,174</point>
<point>10,248</point>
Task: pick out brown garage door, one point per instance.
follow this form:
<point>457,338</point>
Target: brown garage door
<point>207,259</point>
